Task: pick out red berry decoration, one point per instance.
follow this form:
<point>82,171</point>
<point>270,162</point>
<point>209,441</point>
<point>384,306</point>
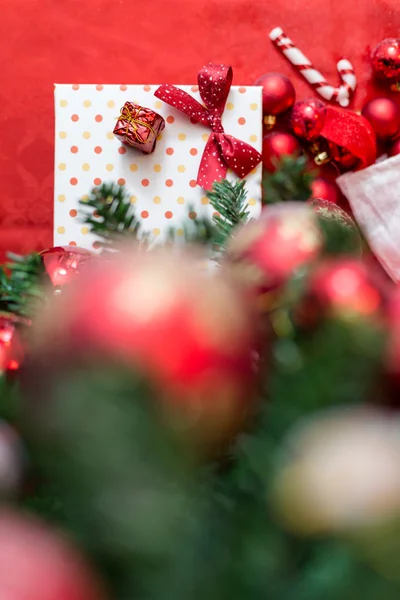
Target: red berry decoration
<point>190,333</point>
<point>386,61</point>
<point>265,253</point>
<point>11,348</point>
<point>63,263</point>
<point>394,148</point>
<point>325,190</point>
<point>278,96</point>
<point>307,119</point>
<point>275,146</point>
<point>384,116</point>
<point>37,564</point>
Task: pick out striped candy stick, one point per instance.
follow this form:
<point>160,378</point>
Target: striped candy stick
<point>340,94</point>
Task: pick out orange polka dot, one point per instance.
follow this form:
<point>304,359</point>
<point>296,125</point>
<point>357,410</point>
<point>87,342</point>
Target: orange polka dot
<point>73,213</point>
<point>75,86</point>
<point>97,181</point>
<point>170,119</point>
<point>169,151</point>
<point>168,214</point>
<point>122,150</point>
<point>96,214</point>
<point>123,88</point>
<point>242,90</point>
<point>71,243</point>
<point>216,214</point>
<point>74,149</point>
<point>242,121</point>
<point>98,118</point>
<point>147,88</point>
<point>193,151</point>
<point>144,214</point>
<point>121,181</point>
<point>74,118</point>
<point>145,182</point>
<point>99,87</point>
<point>98,149</point>
<point>169,183</point>
<point>192,215</point>
<point>193,183</point>
<point>96,245</point>
<point>195,88</point>
<point>73,181</point>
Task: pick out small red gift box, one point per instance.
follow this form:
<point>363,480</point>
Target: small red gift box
<point>139,127</point>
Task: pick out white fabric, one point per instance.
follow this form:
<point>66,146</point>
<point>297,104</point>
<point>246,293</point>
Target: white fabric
<point>374,196</point>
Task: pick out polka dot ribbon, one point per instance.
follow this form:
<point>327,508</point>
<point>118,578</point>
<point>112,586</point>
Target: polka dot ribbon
<point>222,151</point>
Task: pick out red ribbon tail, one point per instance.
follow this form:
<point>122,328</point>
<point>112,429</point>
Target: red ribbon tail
<point>239,156</point>
<point>213,166</point>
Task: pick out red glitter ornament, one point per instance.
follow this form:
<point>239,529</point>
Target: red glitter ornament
<point>384,116</point>
<point>160,313</point>
<point>38,564</point>
<point>307,119</point>
<point>386,61</point>
<point>278,96</point>
<point>394,148</point>
<point>265,254</point>
<point>64,263</point>
<point>325,190</point>
<point>343,157</point>
<point>275,146</point>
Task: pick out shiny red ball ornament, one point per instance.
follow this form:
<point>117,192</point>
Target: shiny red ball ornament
<point>384,116</point>
<point>386,61</point>
<point>325,190</point>
<point>307,119</point>
<point>266,253</point>
<point>343,157</point>
<point>38,564</point>
<point>278,96</point>
<point>275,146</point>
<point>394,148</point>
<point>187,330</point>
<point>11,348</point>
<point>63,263</point>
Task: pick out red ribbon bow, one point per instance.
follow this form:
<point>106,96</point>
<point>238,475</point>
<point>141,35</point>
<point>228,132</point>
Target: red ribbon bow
<point>222,151</point>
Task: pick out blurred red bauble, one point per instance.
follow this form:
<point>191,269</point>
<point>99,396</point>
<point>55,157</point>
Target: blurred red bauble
<point>11,347</point>
<point>343,288</point>
<point>266,253</point>
<point>278,96</point>
<point>342,157</point>
<point>275,146</point>
<point>325,190</point>
<point>161,313</point>
<point>394,148</point>
<point>384,116</point>
<point>63,263</point>
<point>36,563</point>
<point>386,60</point>
<point>307,119</point>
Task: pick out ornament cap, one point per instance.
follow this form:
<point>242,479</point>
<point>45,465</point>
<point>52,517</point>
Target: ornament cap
<point>395,87</point>
<point>269,121</point>
<point>321,158</point>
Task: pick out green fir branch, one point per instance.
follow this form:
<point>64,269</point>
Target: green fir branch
<point>21,284</point>
<point>229,200</point>
<point>291,181</point>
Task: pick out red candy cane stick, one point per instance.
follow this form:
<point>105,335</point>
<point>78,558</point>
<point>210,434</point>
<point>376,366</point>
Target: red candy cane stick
<point>340,94</point>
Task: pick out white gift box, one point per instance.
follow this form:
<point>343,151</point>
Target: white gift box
<point>162,185</point>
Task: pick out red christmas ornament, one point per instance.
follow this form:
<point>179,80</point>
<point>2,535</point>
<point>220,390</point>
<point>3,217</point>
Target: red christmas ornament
<point>265,253</point>
<point>163,314</point>
<point>11,348</point>
<point>307,119</point>
<point>386,61</point>
<point>394,148</point>
<point>343,157</point>
<point>275,146</point>
<point>325,190</point>
<point>63,263</point>
<point>37,564</point>
<point>278,96</point>
<point>384,116</point>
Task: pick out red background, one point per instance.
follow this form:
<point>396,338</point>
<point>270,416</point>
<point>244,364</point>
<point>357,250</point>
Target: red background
<point>149,41</point>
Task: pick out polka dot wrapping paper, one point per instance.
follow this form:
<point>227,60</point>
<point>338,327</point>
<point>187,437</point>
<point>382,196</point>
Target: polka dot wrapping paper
<point>162,185</point>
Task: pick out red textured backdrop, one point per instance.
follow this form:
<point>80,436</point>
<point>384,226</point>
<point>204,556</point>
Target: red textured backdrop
<point>148,41</point>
